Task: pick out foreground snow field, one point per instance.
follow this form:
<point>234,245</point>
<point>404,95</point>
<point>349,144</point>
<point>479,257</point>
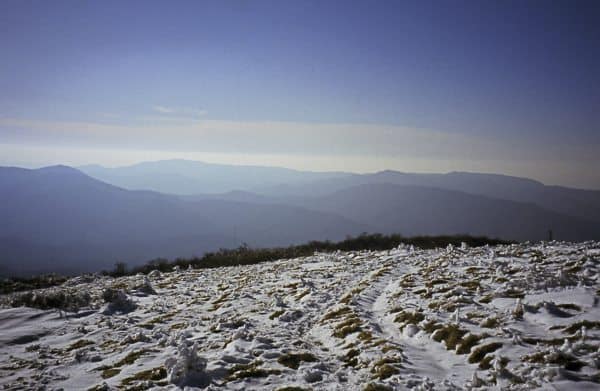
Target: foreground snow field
<point>513,317</point>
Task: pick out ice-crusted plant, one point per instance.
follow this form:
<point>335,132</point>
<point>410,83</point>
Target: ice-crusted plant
<point>180,338</point>
<point>566,347</point>
<point>188,368</point>
<point>518,310</point>
<point>118,301</point>
<point>134,338</point>
<point>456,316</point>
<point>476,382</point>
<point>144,286</point>
<point>67,300</point>
<point>517,340</point>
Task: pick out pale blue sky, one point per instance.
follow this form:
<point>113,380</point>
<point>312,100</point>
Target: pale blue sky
<point>509,87</point>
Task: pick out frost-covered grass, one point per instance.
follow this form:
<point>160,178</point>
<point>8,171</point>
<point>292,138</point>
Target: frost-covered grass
<point>521,316</point>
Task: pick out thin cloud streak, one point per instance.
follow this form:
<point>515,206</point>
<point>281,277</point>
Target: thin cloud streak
<point>186,111</point>
<point>335,146</point>
<point>162,109</point>
<point>271,137</point>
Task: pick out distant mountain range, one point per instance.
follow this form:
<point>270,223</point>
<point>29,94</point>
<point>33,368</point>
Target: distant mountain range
<point>60,219</point>
<point>193,177</point>
<point>212,180</point>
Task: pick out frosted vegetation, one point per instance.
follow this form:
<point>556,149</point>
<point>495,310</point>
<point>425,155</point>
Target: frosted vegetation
<point>520,316</point>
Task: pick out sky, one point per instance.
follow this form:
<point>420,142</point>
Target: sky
<point>510,87</point>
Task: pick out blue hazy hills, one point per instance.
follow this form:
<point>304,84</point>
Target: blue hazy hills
<point>63,219</point>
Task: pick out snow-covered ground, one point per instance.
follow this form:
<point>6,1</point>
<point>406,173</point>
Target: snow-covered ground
<point>522,316</point>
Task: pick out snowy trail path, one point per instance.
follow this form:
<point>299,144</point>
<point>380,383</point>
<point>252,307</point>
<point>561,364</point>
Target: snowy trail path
<point>422,363</point>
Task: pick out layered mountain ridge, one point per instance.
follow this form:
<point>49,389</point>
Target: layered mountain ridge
<point>65,219</point>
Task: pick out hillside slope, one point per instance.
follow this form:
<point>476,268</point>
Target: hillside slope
<point>573,202</point>
<point>415,210</point>
<point>57,219</point>
<point>516,317</point>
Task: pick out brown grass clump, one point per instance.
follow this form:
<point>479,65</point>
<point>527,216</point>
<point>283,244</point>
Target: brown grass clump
<point>468,342</point>
<point>386,367</point>
<point>490,323</point>
<point>406,317</point>
<point>575,327</point>
<point>451,334</point>
<point>154,374</point>
<point>293,360</point>
<point>377,387</point>
<point>79,344</point>
<point>110,372</point>
<point>351,357</point>
<point>244,371</point>
<point>276,314</point>
<point>337,313</point>
<point>479,352</point>
<point>349,326</point>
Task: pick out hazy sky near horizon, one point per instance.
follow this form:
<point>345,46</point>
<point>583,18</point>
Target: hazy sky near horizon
<point>509,87</point>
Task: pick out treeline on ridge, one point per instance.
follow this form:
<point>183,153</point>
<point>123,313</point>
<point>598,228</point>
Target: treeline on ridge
<point>246,255</point>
